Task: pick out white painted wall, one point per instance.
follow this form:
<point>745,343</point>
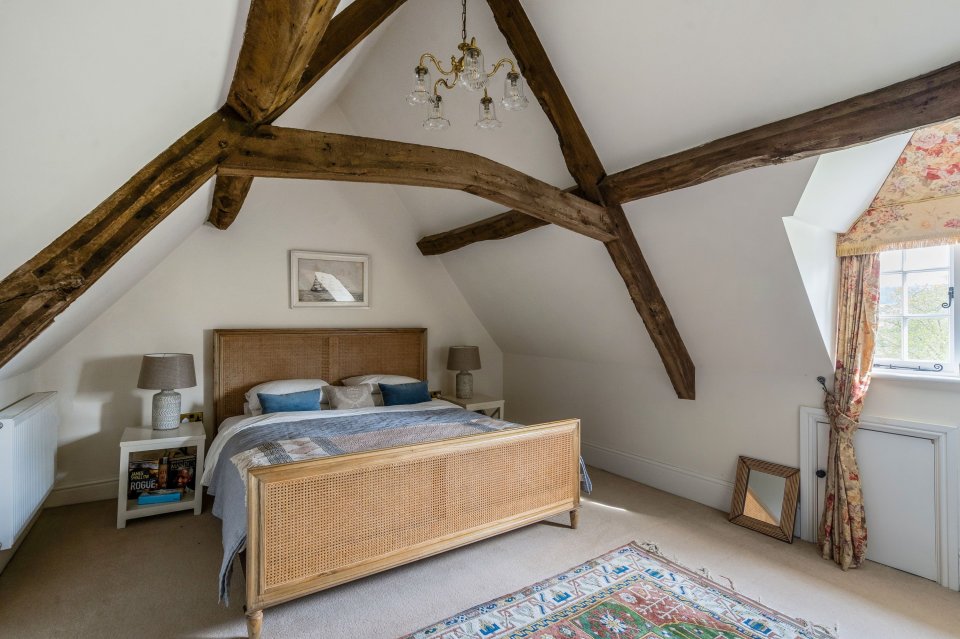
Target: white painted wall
<point>16,388</point>
<point>573,344</point>
<point>100,79</point>
<point>238,278</point>
<point>815,251</point>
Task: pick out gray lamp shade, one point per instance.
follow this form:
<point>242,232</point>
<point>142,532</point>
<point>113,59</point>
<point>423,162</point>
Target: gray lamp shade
<point>167,371</point>
<point>463,358</point>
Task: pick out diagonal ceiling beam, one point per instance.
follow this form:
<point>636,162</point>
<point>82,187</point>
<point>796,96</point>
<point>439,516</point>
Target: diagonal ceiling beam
<point>906,106</point>
<point>347,29</point>
<point>578,152</point>
<point>586,168</point>
<point>281,39</point>
<point>270,151</point>
<point>34,294</point>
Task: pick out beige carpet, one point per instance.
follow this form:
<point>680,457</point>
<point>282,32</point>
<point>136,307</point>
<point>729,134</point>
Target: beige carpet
<point>77,576</point>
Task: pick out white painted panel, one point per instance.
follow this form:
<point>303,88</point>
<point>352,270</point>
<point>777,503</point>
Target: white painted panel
<point>900,498</point>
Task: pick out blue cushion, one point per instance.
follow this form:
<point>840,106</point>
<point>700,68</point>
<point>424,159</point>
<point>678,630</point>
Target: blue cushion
<point>304,400</point>
<point>396,394</point>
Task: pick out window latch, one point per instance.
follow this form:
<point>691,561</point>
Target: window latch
<point>949,301</point>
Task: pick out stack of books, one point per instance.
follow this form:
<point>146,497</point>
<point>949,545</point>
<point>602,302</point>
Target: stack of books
<point>164,476</point>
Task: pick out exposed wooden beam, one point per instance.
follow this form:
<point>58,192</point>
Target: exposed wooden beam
<point>912,104</point>
<point>906,106</point>
<point>347,29</point>
<point>586,168</point>
<point>280,38</point>
<point>271,151</point>
<point>578,152</point>
<point>493,228</point>
<point>34,294</point>
<point>647,299</point>
<point>229,194</point>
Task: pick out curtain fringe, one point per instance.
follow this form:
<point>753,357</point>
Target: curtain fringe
<point>863,248</point>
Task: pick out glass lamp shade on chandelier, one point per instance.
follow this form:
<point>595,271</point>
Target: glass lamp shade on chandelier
<point>469,72</point>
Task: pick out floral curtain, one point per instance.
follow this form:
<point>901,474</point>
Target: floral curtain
<point>919,202</point>
<point>843,529</point>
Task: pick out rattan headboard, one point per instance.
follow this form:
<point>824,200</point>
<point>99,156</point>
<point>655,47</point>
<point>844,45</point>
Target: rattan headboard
<point>243,358</point>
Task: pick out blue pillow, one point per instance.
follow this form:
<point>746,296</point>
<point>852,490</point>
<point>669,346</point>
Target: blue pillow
<point>291,402</point>
<point>397,394</point>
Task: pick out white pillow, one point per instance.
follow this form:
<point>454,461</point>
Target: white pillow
<point>378,379</point>
<point>279,387</point>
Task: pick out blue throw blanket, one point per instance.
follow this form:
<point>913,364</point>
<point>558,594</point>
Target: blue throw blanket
<point>322,437</point>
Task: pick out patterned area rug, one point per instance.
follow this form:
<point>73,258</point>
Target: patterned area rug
<point>628,593</point>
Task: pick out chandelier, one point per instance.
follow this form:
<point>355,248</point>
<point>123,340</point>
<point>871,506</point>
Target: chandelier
<point>469,72</point>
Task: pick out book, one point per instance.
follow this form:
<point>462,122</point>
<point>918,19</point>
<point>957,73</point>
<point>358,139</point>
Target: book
<point>142,476</point>
<point>158,496</point>
<point>181,473</point>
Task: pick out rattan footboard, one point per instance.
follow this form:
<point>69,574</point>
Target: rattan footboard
<point>313,525</point>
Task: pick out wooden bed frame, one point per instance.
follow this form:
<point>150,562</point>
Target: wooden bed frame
<point>319,523</point>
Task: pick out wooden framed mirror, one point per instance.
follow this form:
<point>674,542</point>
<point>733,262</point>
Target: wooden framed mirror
<point>765,497</point>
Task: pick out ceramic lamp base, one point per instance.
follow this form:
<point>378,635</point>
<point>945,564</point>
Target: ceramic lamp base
<point>166,410</point>
<point>464,385</point>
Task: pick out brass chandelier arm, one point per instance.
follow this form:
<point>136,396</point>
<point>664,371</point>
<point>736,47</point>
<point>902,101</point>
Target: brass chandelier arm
<point>445,83</point>
<point>500,63</point>
<point>436,63</point>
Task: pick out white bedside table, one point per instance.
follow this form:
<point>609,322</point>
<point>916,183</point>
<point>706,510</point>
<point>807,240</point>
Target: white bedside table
<point>489,406</point>
<point>136,440</point>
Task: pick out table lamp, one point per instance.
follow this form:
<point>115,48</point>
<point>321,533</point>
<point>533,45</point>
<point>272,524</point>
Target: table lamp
<point>165,372</point>
<point>464,359</point>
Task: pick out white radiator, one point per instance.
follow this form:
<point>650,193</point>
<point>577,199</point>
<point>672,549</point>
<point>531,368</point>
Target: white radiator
<point>28,450</point>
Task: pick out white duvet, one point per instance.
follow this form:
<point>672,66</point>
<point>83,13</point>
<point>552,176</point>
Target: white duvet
<point>233,425</point>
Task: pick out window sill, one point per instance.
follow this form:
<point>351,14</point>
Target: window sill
<point>914,378</point>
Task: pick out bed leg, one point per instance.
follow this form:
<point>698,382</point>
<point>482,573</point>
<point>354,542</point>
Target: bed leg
<point>574,518</point>
<point>254,623</point>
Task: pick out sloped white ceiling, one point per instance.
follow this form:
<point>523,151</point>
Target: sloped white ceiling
<point>648,80</point>
<point>94,91</point>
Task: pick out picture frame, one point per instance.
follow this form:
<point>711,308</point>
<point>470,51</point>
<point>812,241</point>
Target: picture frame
<point>333,280</point>
<point>765,497</point>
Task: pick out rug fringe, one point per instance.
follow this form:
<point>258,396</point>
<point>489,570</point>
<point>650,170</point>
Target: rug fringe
<point>654,549</point>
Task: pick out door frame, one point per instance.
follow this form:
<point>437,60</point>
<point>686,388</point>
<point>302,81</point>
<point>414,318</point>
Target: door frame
<point>946,441</point>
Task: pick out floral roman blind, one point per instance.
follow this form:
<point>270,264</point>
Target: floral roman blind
<point>919,202</point>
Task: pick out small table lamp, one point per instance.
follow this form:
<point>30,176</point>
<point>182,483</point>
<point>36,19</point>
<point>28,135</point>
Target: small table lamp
<point>165,372</point>
<point>464,359</point>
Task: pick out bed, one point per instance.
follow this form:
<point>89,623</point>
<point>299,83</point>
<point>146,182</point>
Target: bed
<point>314,524</point>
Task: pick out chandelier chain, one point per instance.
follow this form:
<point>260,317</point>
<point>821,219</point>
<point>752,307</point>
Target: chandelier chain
<point>463,18</point>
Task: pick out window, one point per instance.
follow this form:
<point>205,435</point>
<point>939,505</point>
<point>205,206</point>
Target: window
<point>917,324</point>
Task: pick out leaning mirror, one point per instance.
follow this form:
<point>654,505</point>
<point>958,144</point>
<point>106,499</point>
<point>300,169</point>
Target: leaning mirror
<point>765,497</point>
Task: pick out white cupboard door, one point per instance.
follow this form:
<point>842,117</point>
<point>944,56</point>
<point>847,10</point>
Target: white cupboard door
<point>899,479</point>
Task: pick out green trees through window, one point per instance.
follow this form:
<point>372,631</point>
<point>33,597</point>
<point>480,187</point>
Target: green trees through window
<point>914,326</point>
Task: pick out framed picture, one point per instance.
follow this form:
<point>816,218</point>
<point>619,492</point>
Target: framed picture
<point>329,279</point>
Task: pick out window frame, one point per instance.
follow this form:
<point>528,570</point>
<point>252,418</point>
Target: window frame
<point>951,366</point>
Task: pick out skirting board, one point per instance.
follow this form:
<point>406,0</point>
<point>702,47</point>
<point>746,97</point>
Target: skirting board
<point>709,491</point>
<point>81,493</point>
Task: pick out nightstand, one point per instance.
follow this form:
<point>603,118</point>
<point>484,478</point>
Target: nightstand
<point>138,440</point>
<point>489,406</point>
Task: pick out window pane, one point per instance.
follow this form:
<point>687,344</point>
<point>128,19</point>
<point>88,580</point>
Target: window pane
<point>891,261</point>
<point>928,339</point>
<point>890,339</point>
<point>926,292</point>
<point>891,294</point>
<point>933,257</point>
